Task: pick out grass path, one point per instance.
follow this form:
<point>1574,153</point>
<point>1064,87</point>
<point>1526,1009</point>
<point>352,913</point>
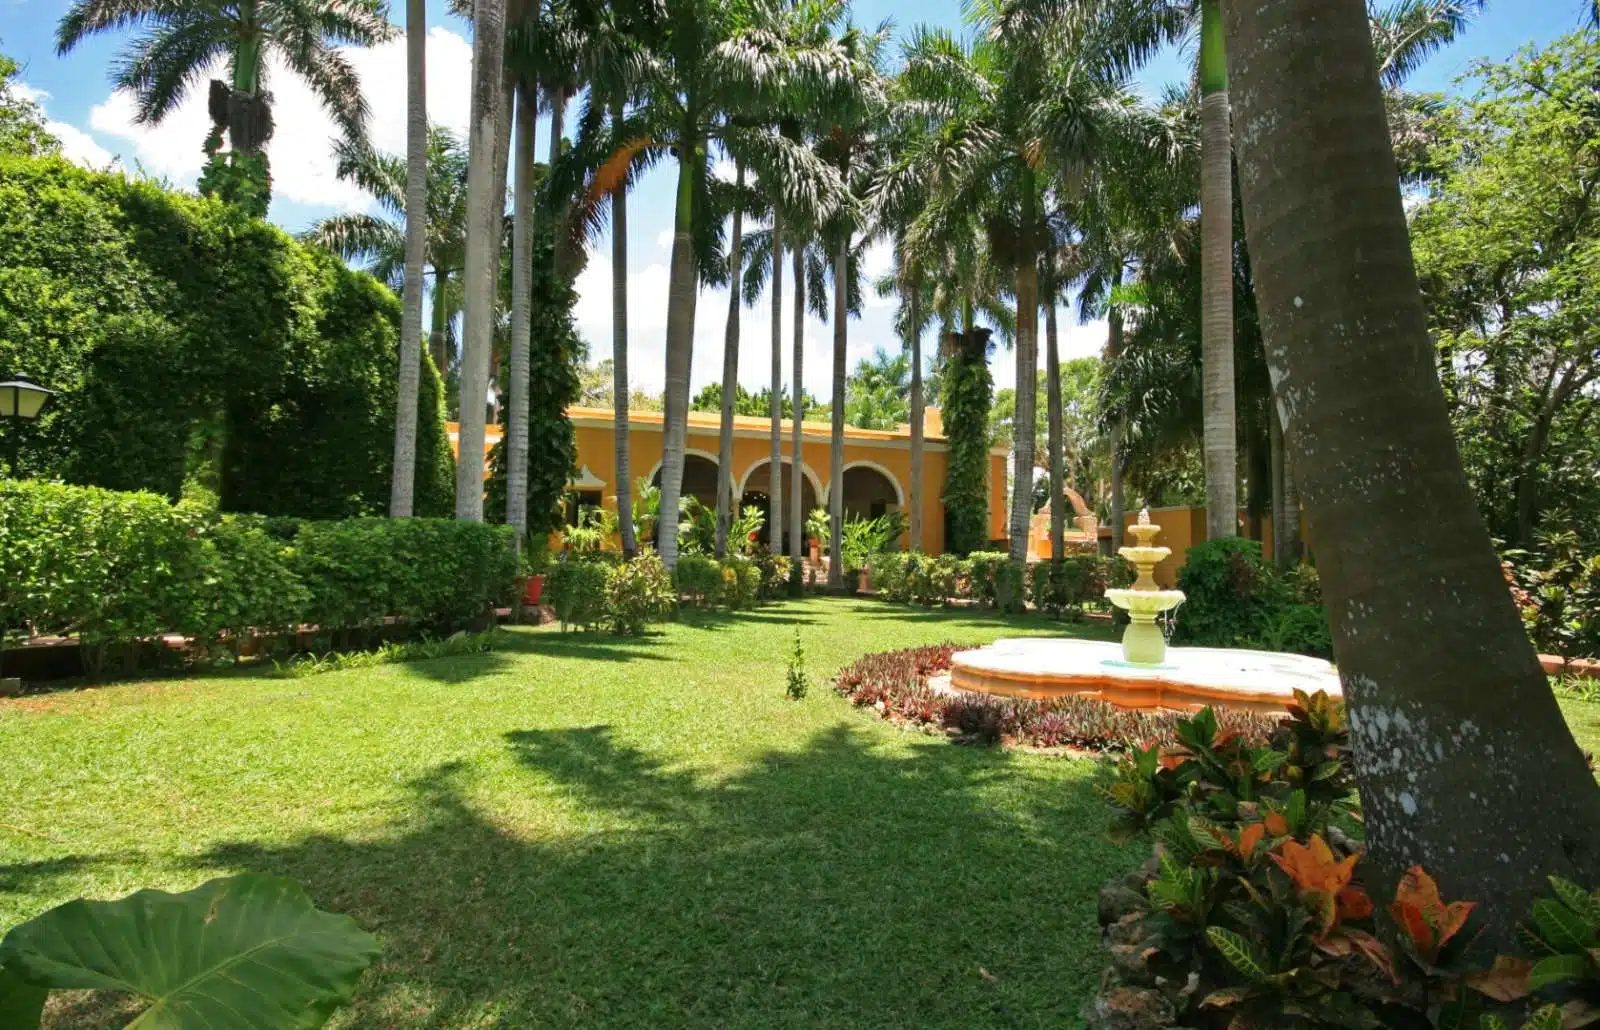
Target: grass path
<point>591,832</point>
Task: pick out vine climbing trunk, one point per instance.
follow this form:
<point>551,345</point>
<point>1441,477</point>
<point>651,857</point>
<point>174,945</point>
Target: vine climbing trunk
<point>1216,279</point>
<point>622,435</point>
<point>730,375</point>
<point>1463,759</point>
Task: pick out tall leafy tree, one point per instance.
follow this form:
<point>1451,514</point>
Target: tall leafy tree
<point>1449,709</point>
<point>180,43</point>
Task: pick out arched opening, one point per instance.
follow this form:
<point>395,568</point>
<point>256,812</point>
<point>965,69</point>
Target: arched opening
<point>756,483</point>
<point>869,492</point>
<point>699,479</point>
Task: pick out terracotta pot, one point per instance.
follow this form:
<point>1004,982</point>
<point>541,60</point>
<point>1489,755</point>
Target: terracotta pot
<point>533,589</point>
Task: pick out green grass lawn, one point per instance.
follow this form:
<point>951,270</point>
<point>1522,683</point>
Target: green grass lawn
<point>582,831</point>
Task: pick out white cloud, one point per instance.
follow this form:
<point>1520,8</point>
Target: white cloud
<point>664,239</point>
<point>301,146</point>
<point>76,145</point>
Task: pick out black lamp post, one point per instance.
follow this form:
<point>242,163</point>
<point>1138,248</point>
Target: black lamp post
<point>22,399</point>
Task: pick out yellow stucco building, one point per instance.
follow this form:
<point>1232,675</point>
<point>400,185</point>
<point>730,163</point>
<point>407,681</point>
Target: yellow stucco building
<point>877,465</point>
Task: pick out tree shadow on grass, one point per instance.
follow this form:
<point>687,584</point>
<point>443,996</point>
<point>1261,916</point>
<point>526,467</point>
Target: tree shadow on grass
<point>846,884</point>
<point>714,619</point>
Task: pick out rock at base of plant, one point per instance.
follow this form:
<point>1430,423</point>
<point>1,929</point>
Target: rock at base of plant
<point>1129,1008</point>
<point>1117,899</point>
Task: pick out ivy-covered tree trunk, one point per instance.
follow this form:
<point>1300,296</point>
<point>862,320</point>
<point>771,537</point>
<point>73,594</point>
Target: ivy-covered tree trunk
<point>968,394</point>
<point>1052,388</point>
<point>775,408</point>
<point>841,314</point>
<point>485,205</point>
<point>621,422</point>
<point>1464,762</point>
<point>403,474</point>
<point>797,514</point>
<point>730,376</point>
<point>918,413</point>
<point>1216,277</point>
<point>521,299</point>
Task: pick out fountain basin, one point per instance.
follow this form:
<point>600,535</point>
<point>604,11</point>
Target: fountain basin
<point>1189,679</point>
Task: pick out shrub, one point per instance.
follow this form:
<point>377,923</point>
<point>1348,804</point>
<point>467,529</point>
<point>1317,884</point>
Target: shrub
<point>985,566</point>
<point>115,569</point>
<point>774,575</point>
<point>889,574</point>
<point>799,684</point>
<point>1235,598</point>
<point>943,579</point>
<point>698,579</point>
<point>1558,592</point>
<point>1068,584</point>
<point>576,589</point>
<point>741,582</point>
<point>639,592</point>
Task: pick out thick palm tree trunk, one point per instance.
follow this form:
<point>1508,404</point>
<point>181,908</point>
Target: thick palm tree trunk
<point>1216,277</point>
<point>841,329</point>
<point>682,290</point>
<point>918,414</point>
<point>1027,420</point>
<point>1285,500</point>
<point>730,376</point>
<point>775,467</point>
<point>1453,723</point>
<point>403,475</point>
<point>522,214</point>
<point>486,205</point>
<point>621,423</point>
<point>797,514</point>
<point>1052,392</point>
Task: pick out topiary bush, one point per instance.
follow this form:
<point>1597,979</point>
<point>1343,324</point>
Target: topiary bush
<point>698,579</point>
<point>639,592</point>
<point>576,589</point>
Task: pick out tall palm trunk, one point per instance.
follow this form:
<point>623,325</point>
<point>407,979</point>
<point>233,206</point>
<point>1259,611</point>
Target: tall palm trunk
<point>730,375</point>
<point>1026,421</point>
<point>522,214</point>
<point>1453,723</point>
<point>1119,429</point>
<point>1055,443</point>
<point>797,514</point>
<point>775,466</point>
<point>403,473</point>
<point>486,206</point>
<point>841,329</point>
<point>1285,501</point>
<point>621,423</point>
<point>1216,278</point>
<point>918,414</point>
<point>681,294</point>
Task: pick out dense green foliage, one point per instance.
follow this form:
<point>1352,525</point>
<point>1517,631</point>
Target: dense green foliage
<point>1234,597</point>
<point>22,127</point>
<point>1507,245</point>
<point>116,569</point>
<point>639,592</point>
<point>968,388</point>
<point>1557,590</point>
<point>988,578</point>
<point>239,944</point>
<point>576,589</point>
<point>182,337</point>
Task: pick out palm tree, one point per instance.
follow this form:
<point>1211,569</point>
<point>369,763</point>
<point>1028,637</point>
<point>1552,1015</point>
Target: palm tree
<point>712,61</point>
<point>380,242</point>
<point>485,212</point>
<point>1327,232</point>
<point>184,40</point>
<point>730,365</point>
<point>1022,98</point>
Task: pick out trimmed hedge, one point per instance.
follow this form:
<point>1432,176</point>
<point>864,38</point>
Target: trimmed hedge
<point>185,339</point>
<point>115,569</point>
<point>990,580</point>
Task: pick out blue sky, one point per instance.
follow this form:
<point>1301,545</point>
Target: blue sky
<point>97,127</point>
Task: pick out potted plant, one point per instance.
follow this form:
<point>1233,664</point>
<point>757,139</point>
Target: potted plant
<point>535,557</point>
<point>817,529</point>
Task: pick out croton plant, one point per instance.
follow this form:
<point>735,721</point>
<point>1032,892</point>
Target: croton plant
<point>1255,913</point>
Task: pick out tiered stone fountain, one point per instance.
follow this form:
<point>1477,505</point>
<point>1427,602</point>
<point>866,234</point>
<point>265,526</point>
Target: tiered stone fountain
<point>1141,672</point>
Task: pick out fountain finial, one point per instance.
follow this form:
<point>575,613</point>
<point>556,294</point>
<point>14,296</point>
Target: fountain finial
<point>1144,516</point>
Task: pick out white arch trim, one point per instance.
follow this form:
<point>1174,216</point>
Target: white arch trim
<point>805,470</point>
<point>899,492</point>
<point>686,452</point>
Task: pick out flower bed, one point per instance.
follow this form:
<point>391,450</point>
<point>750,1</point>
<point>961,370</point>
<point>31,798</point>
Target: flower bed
<point>895,683</point>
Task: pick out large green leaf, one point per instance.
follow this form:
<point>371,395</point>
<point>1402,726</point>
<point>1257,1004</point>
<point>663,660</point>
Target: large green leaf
<point>242,953</point>
<point>20,1003</point>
